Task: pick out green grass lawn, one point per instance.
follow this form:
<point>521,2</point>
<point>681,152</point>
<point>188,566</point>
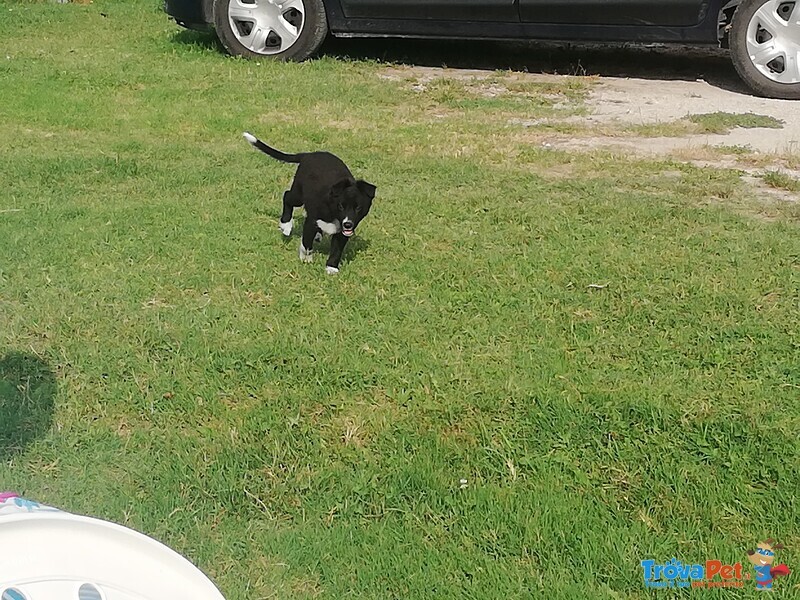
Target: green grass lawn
<point>169,364</point>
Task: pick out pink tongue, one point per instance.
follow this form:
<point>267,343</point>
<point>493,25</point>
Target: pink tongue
<point>348,233</point>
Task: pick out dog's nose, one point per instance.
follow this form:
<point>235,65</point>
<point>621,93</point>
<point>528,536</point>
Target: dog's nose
<point>347,225</point>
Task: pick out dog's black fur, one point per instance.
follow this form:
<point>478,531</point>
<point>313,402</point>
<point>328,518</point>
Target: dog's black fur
<point>335,202</point>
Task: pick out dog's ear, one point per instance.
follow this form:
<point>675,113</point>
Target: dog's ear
<point>338,188</point>
<point>366,188</point>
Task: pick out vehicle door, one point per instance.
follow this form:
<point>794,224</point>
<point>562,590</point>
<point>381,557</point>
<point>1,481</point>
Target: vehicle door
<point>444,10</point>
<point>663,13</point>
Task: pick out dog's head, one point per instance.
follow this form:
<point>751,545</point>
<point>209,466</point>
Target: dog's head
<point>352,199</point>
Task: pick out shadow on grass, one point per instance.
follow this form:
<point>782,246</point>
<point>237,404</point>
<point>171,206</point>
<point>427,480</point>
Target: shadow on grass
<point>199,40</point>
<point>682,63</point>
<point>27,393</point>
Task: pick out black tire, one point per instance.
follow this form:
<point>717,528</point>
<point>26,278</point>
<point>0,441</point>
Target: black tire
<point>757,81</point>
<point>313,31</point>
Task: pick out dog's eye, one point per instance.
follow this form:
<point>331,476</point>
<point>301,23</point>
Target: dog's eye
<point>358,210</point>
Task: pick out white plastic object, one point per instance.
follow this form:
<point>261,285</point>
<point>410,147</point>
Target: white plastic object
<point>48,554</point>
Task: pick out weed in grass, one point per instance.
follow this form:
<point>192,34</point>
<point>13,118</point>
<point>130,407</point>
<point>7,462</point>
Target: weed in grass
<point>781,181</point>
<point>711,123</point>
<point>678,128</point>
<point>735,150</point>
<point>722,122</point>
<point>495,95</point>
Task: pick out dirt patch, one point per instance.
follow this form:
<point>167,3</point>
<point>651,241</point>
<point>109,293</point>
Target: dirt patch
<point>624,102</point>
<point>424,75</point>
<point>552,89</point>
<point>643,117</point>
<point>648,102</point>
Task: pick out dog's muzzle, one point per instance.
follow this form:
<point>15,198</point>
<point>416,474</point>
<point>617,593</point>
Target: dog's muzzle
<point>348,228</point>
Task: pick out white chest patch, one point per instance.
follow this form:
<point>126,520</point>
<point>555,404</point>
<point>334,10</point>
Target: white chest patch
<point>329,228</point>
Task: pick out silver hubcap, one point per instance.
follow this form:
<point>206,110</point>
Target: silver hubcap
<point>267,26</point>
<point>773,40</point>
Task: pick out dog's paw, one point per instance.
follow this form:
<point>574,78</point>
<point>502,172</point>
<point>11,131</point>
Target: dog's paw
<point>286,228</point>
<point>306,255</point>
<point>318,237</point>
<point>331,270</point>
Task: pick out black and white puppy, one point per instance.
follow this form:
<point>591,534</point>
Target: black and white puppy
<point>335,202</point>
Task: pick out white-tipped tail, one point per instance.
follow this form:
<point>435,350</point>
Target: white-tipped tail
<point>250,137</point>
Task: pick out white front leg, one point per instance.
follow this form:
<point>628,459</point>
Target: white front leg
<point>286,228</point>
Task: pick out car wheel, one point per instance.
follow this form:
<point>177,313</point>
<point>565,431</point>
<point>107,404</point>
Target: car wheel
<point>765,46</point>
<point>279,29</point>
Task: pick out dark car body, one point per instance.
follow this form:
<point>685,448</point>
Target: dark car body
<point>763,36</point>
<point>643,21</point>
